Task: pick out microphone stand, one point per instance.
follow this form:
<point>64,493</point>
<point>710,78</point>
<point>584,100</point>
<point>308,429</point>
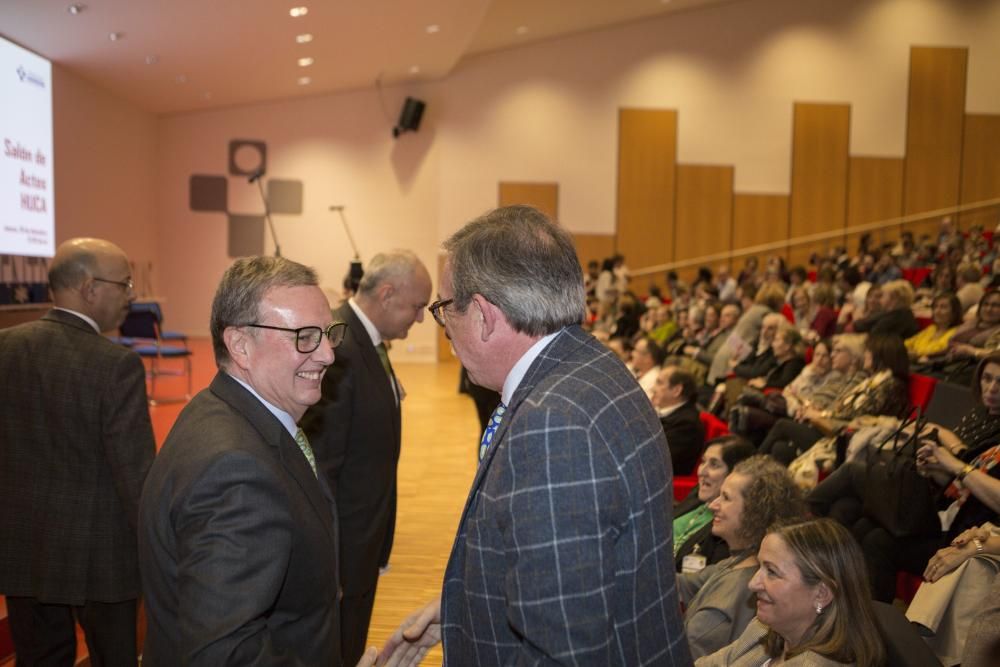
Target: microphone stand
<point>350,237</point>
<point>258,176</point>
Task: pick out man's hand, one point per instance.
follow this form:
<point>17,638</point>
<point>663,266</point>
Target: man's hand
<point>369,658</point>
<point>415,636</point>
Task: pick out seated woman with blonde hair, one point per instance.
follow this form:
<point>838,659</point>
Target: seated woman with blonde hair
<point>813,607</point>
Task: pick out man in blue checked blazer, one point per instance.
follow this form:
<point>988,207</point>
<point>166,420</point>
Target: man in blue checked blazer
<point>563,553</point>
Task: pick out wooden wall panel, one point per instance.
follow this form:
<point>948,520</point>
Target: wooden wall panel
<point>703,221</point>
<point>981,168</point>
<point>934,121</point>
<point>543,196</point>
<point>757,219</point>
<point>874,194</point>
<point>647,157</point>
<point>594,247</point>
<point>820,142</point>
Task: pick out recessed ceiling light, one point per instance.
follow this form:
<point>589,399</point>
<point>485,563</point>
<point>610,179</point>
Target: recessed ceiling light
<point>76,9</point>
<point>152,60</point>
<point>433,28</point>
<point>304,80</point>
<point>305,62</point>
<point>304,38</point>
<point>115,36</point>
<point>521,29</point>
<point>180,78</point>
<point>415,69</point>
<point>296,12</point>
<point>206,95</point>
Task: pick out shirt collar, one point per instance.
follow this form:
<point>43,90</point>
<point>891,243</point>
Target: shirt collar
<point>365,322</point>
<point>282,416</point>
<point>85,318</point>
<point>663,412</point>
<point>519,370</point>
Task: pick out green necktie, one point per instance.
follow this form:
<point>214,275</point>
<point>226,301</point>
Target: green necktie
<point>303,442</point>
<point>383,356</point>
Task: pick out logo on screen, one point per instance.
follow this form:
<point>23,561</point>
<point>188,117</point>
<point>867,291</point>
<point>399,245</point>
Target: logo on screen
<point>30,77</point>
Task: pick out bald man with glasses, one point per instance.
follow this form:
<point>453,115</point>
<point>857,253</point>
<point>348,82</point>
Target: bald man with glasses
<point>75,446</point>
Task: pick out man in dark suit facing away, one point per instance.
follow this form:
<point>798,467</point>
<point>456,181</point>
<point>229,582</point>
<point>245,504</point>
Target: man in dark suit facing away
<point>75,446</point>
<point>563,553</point>
<point>674,397</point>
<point>237,531</point>
<point>355,429</point>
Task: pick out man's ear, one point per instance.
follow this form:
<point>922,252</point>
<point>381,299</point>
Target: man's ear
<point>487,315</point>
<point>237,344</point>
<point>385,292</point>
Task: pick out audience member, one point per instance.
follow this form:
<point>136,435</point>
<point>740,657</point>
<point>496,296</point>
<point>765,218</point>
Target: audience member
<point>75,446</point>
<point>646,359</point>
<point>932,341</point>
<point>674,398</point>
<point>969,291</point>
<point>813,608</point>
<point>895,317</point>
<point>755,495</point>
<point>884,392</point>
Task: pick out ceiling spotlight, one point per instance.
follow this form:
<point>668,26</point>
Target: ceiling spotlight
<point>296,12</point>
<point>521,30</point>
<point>152,60</point>
<point>433,28</point>
<point>305,62</point>
<point>115,36</point>
<point>206,95</point>
<point>304,80</point>
<point>75,9</point>
<point>304,38</point>
<point>415,69</point>
<point>180,78</point>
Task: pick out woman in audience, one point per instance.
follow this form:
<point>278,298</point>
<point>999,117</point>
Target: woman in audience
<point>814,315</point>
<point>757,493</point>
<point>972,494</point>
<point>884,392</point>
<point>850,315</point>
<point>812,599</point>
<point>953,591</point>
<point>693,522</point>
<point>896,317</point>
<point>932,340</point>
<point>972,340</point>
<point>834,368</point>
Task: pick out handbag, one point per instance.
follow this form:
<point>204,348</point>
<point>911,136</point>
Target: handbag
<point>895,495</point>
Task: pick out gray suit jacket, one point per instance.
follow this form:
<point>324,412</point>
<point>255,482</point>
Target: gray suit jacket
<point>237,542</point>
<point>563,552</point>
<point>75,446</point>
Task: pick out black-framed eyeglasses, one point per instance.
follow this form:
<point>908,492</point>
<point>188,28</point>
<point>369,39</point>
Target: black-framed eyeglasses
<point>437,309</point>
<point>307,339</point>
<point>126,284</point>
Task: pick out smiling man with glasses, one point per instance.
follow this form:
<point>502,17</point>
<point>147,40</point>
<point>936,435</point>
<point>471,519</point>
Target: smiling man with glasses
<point>238,531</point>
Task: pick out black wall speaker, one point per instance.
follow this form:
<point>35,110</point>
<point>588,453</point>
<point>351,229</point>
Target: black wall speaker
<point>409,117</point>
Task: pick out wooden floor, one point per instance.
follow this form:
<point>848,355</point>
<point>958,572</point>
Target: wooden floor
<point>438,461</point>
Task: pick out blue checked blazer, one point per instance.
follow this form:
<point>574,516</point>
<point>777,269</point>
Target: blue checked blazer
<point>563,553</point>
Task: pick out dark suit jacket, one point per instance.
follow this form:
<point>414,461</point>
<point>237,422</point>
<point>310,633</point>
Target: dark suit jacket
<point>685,437</point>
<point>564,549</point>
<point>355,431</point>
<point>75,446</point>
<point>237,542</point>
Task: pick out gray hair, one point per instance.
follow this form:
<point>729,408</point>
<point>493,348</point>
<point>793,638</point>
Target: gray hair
<point>243,286</point>
<point>395,266</point>
<point>521,262</point>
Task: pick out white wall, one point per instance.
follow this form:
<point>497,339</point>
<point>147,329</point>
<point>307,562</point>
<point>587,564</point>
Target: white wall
<point>548,112</point>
